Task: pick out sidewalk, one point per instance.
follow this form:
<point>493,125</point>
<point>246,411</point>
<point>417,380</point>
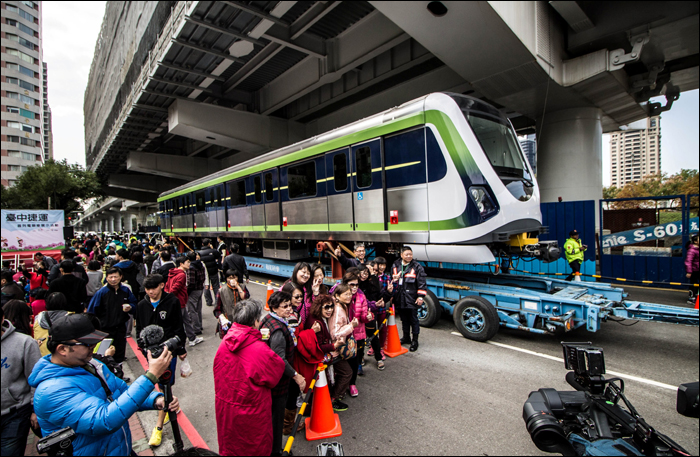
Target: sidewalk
<point>139,440</point>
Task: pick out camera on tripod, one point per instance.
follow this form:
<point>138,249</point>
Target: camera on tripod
<point>152,343</point>
<point>592,420</point>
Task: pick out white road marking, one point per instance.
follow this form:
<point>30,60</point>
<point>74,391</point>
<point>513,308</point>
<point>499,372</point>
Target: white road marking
<point>559,359</point>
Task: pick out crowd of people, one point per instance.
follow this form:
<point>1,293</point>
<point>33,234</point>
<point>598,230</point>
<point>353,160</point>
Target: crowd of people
<point>266,362</point>
<point>262,369</point>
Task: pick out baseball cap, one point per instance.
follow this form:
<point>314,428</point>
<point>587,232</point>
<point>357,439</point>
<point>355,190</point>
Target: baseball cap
<point>573,232</point>
<point>75,327</point>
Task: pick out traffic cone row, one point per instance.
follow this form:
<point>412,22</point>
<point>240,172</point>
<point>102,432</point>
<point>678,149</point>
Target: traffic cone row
<point>392,347</point>
<point>269,292</point>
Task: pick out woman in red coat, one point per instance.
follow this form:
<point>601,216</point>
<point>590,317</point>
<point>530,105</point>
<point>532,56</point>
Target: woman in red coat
<point>245,371</point>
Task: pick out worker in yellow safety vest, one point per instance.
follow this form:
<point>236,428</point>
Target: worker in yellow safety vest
<point>574,249</point>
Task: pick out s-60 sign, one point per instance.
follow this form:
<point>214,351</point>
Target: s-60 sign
<point>655,232</point>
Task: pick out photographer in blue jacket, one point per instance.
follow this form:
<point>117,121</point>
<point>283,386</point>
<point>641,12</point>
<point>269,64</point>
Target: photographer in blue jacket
<point>74,390</point>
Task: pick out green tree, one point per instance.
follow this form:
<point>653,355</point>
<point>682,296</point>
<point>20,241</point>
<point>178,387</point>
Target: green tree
<point>610,192</point>
<point>68,185</point>
<point>658,185</point>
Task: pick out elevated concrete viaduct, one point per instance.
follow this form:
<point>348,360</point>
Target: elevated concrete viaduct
<point>178,90</point>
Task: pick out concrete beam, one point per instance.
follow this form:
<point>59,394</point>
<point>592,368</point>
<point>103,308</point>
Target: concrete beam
<point>370,37</point>
<point>172,166</point>
<point>439,80</point>
<point>139,196</point>
<point>144,183</point>
<point>247,132</point>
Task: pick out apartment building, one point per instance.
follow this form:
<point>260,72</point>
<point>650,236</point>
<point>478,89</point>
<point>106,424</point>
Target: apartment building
<point>635,152</point>
<point>24,90</point>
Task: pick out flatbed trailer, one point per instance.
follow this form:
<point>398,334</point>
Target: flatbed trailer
<point>480,303</point>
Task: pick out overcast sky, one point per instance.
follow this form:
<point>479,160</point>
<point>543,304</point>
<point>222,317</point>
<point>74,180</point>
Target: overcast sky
<point>70,34</point>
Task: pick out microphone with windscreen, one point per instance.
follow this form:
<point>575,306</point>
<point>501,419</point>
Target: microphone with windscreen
<point>150,340</point>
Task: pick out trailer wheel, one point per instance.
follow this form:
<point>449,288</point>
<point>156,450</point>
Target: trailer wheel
<point>476,318</point>
<point>430,312</point>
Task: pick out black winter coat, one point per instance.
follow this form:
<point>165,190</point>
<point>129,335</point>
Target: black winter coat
<point>211,259</point>
<point>412,285</point>
<point>74,290</point>
<point>166,315</point>
<point>236,262</point>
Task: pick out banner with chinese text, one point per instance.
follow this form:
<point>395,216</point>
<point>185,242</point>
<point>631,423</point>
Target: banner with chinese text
<point>32,230</point>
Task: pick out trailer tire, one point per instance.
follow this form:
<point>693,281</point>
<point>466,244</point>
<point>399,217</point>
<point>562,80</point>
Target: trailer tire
<point>476,318</point>
<point>430,312</point>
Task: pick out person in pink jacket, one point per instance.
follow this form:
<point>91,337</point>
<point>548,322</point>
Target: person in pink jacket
<point>358,309</point>
<point>245,371</point>
<point>341,328</point>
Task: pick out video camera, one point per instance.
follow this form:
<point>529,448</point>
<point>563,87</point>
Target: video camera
<point>591,421</point>
<point>59,443</point>
<point>149,340</point>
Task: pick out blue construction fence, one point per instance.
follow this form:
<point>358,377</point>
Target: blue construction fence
<point>560,218</point>
<point>643,245</point>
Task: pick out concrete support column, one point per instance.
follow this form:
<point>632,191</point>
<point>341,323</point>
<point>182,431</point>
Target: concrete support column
<point>111,223</point>
<point>570,154</point>
<point>127,222</point>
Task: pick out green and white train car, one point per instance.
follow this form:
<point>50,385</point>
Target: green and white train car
<point>443,173</point>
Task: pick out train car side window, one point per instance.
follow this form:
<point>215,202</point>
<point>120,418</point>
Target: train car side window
<point>363,167</point>
<point>301,180</point>
<point>199,201</point>
<point>258,189</point>
<point>237,191</point>
<point>340,172</point>
<point>404,158</point>
<point>269,190</point>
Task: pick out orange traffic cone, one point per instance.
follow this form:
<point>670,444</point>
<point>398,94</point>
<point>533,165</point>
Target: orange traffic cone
<point>269,292</point>
<point>323,423</point>
<point>393,347</point>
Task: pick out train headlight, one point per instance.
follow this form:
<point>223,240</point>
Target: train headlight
<point>482,200</point>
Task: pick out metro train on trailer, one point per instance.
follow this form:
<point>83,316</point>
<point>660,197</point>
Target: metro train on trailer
<point>443,173</point>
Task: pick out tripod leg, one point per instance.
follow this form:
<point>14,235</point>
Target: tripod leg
<point>168,394</point>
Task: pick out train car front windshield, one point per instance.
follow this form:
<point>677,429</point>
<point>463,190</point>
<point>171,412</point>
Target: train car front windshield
<point>499,143</point>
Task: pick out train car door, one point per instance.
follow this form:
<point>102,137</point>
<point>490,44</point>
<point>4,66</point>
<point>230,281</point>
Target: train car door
<point>339,188</point>
<point>190,206</point>
<point>303,196</point>
<point>254,185</point>
<point>368,188</point>
<point>239,213</point>
<point>272,201</point>
<point>216,208</point>
<point>201,211</point>
<point>182,221</point>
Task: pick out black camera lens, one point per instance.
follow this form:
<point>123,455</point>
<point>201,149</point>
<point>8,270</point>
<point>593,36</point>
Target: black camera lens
<point>173,343</point>
<point>547,433</point>
<point>545,430</point>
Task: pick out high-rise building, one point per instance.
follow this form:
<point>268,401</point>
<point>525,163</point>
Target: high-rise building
<point>48,136</point>
<point>23,88</point>
<point>635,152</point>
<point>529,146</point>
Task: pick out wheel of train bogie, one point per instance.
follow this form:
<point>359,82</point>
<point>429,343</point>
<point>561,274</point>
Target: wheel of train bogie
<point>430,312</point>
<point>476,318</point>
